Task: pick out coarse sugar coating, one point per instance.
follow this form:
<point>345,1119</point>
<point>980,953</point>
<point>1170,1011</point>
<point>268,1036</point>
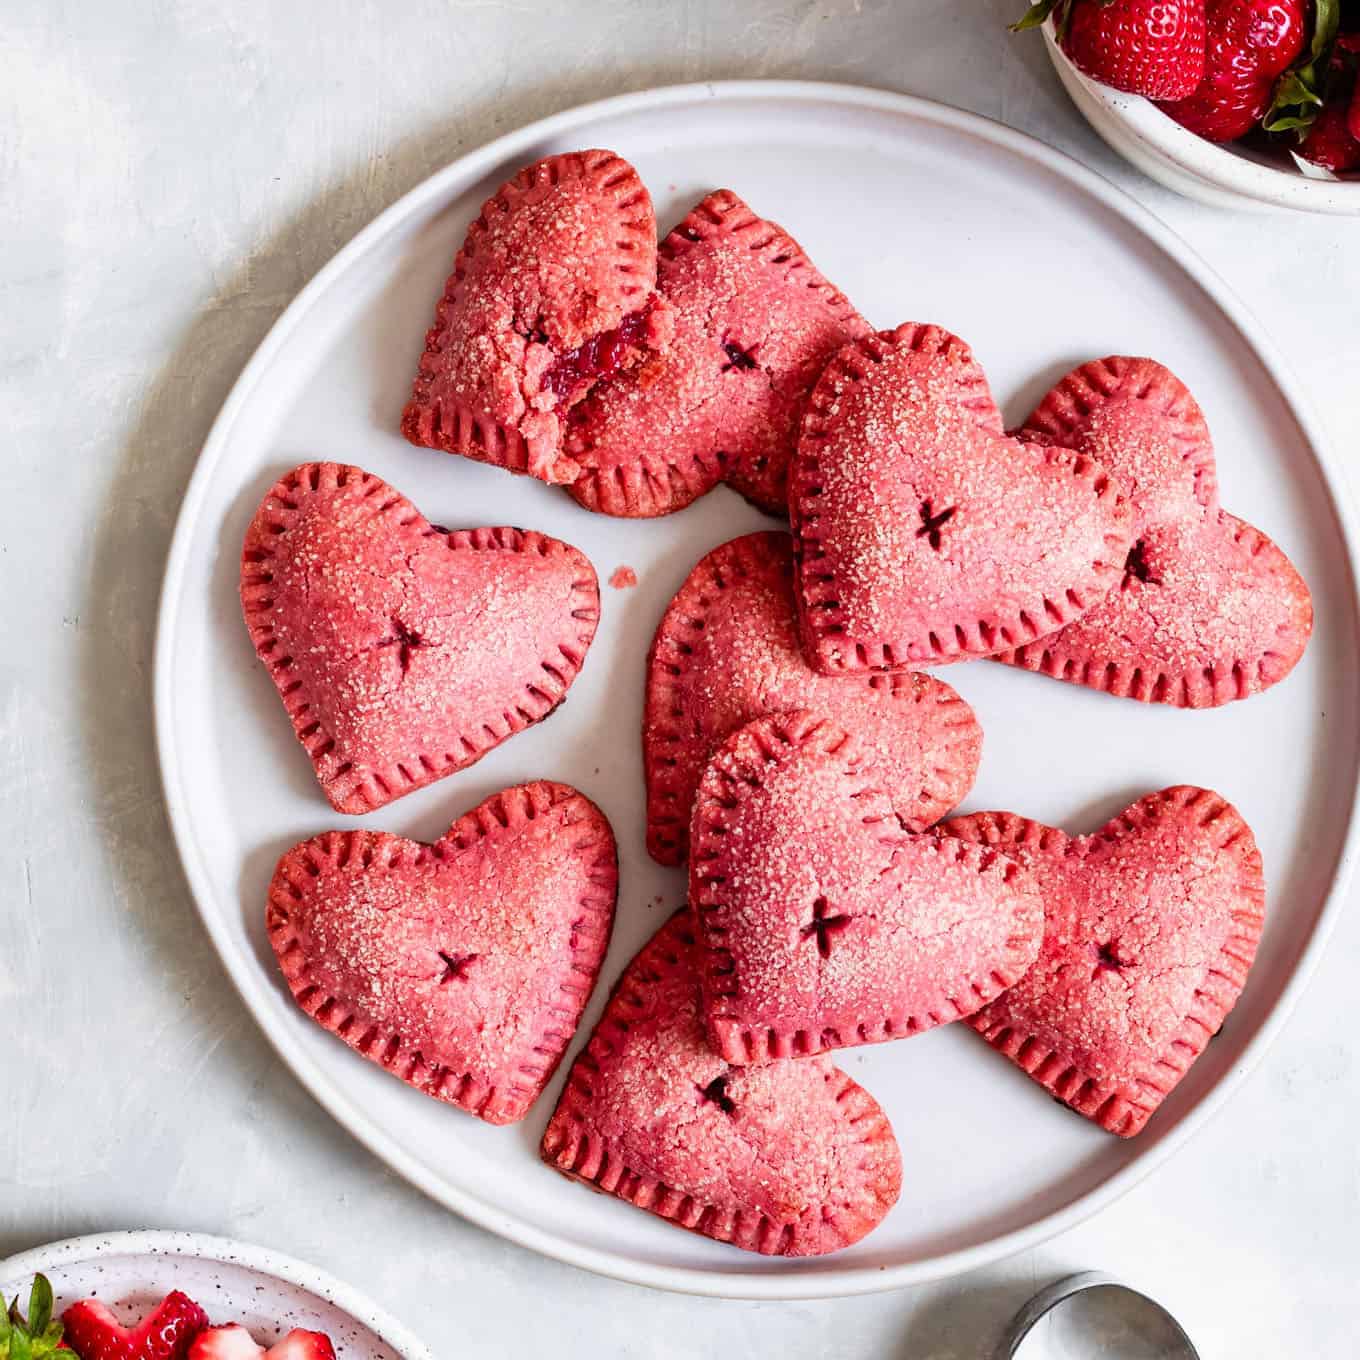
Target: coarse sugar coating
<point>404,652</point>
<point>923,533</point>
<point>551,291</point>
<point>461,967</point>
<point>726,651</point>
<point>755,323</point>
<point>1151,925</point>
<point>823,922</point>
<point>788,1159</point>
<point>1207,609</point>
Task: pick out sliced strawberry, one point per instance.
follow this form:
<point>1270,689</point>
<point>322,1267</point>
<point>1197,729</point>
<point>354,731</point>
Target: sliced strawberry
<point>300,1345</point>
<point>94,1333</point>
<point>1250,42</point>
<point>232,1342</point>
<point>235,1343</point>
<point>1149,47</point>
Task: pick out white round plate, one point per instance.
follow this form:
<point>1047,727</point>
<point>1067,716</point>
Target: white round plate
<point>269,1294</point>
<point>918,212</point>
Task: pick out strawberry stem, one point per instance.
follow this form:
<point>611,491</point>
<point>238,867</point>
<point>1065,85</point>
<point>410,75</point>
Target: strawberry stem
<point>35,1337</point>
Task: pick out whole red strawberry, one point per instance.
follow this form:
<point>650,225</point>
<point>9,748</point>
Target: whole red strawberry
<point>1331,142</point>
<point>1148,47</point>
<point>94,1333</point>
<point>1250,42</point>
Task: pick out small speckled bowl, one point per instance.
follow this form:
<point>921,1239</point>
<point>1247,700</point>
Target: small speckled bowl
<point>234,1282</point>
<point>1224,176</point>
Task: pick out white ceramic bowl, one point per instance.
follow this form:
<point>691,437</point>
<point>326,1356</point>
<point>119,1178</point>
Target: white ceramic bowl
<point>1224,176</point>
<point>264,1290</point>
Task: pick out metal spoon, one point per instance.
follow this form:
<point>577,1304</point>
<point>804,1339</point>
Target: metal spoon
<point>1108,1313</point>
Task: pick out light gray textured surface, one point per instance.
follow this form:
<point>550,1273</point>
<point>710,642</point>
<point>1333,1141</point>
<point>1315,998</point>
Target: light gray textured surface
<point>170,174</point>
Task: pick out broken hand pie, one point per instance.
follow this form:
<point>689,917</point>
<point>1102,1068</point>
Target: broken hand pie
<point>755,323</point>
<point>551,291</point>
<point>461,967</point>
<point>1208,609</point>
<point>726,652</point>
<point>403,652</point>
<point>1151,926</point>
<point>923,533</point>
<point>823,921</point>
<point>789,1159</point>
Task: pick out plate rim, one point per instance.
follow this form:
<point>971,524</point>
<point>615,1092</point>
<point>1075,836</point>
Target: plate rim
<point>225,1251</point>
<point>797,1282</point>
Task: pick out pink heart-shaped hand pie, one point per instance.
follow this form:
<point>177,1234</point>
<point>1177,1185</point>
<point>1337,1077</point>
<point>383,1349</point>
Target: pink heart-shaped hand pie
<point>726,652</point>
<point>401,651</point>
<point>461,967</point>
<point>755,323</point>
<point>823,921</point>
<point>923,533</point>
<point>790,1159</point>
<point>551,292</point>
<point>1151,925</point>
<point>1209,609</point>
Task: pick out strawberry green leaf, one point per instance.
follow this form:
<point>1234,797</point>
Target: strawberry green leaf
<point>1034,16</point>
<point>39,1305</point>
<point>1291,123</point>
<point>1294,89</point>
<point>37,1337</point>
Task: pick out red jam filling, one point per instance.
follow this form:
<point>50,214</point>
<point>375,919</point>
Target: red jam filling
<point>602,356</point>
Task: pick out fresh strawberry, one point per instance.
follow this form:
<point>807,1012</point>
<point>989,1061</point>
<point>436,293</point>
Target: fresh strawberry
<point>235,1343</point>
<point>1353,117</point>
<point>36,1336</point>
<point>164,1334</point>
<point>1250,43</point>
<point>1149,47</point>
<point>1331,142</point>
